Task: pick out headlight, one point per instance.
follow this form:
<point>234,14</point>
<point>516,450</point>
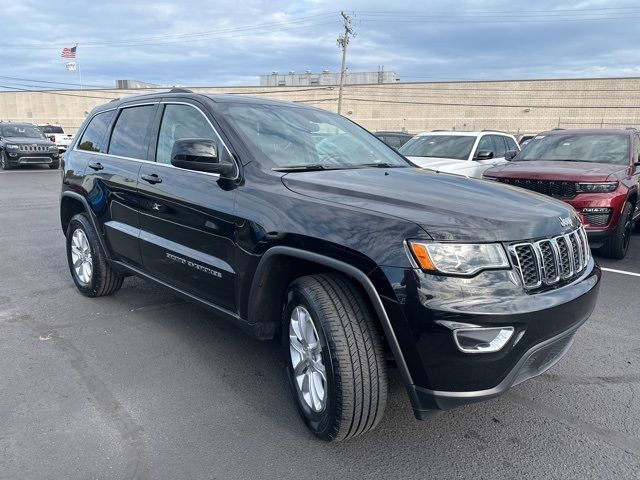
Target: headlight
<point>459,258</point>
<point>597,187</point>
<point>13,147</point>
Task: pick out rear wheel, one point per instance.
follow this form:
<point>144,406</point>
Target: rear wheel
<point>617,245</point>
<point>334,357</point>
<point>87,261</point>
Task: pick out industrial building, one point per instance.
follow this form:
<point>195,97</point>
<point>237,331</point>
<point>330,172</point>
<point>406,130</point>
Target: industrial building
<point>512,106</point>
<point>308,78</point>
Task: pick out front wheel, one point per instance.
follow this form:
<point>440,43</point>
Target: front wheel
<point>334,356</point>
<point>617,245</point>
<point>4,162</point>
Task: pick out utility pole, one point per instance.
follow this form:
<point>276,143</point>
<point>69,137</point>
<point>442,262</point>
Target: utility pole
<point>343,41</point>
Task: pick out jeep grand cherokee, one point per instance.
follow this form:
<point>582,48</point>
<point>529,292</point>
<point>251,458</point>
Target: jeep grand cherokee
<point>295,223</point>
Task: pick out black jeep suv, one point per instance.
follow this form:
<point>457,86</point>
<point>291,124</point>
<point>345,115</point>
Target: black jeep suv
<point>25,144</point>
<point>295,223</point>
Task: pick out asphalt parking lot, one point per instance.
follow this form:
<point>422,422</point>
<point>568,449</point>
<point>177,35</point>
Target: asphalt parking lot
<point>143,385</point>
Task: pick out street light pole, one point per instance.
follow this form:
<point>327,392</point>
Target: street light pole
<point>343,42</point>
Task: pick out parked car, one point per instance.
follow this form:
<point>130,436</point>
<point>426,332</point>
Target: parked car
<point>462,153</point>
<point>25,144</point>
<point>394,139</point>
<point>595,171</point>
<point>56,134</point>
<point>348,258</point>
<point>525,138</point>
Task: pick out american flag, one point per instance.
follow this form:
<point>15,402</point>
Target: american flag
<point>69,52</point>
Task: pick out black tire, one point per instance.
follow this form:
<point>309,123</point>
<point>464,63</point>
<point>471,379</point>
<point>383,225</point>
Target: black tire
<point>617,245</point>
<point>352,353</point>
<point>4,163</point>
<point>104,280</point>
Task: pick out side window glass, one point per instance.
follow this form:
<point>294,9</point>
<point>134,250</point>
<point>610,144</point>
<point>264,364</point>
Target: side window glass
<point>486,144</point>
<point>94,135</point>
<point>181,121</point>
<point>394,142</point>
<point>511,143</point>
<point>637,149</point>
<point>498,140</point>
<point>129,137</point>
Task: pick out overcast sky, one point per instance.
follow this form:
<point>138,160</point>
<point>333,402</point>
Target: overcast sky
<point>225,42</point>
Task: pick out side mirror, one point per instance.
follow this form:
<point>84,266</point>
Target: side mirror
<point>199,154</point>
<point>484,155</point>
<point>510,154</point>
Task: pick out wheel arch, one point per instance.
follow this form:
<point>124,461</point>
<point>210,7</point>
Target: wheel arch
<point>72,203</point>
<point>280,265</point>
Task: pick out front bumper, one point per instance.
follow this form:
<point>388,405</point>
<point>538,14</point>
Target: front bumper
<point>443,377</point>
<point>25,158</point>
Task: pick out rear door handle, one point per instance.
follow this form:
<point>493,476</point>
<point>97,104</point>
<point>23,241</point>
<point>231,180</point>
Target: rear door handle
<point>152,179</point>
<point>96,165</point>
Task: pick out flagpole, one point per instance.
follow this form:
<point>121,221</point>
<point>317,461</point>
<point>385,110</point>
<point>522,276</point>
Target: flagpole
<point>78,65</point>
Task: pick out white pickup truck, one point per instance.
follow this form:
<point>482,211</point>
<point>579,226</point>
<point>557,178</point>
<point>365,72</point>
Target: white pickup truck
<point>56,134</point>
<point>461,153</point>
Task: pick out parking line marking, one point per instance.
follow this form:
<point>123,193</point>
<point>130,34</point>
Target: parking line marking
<point>633,274</point>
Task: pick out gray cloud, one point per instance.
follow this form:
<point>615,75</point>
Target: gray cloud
<point>213,43</point>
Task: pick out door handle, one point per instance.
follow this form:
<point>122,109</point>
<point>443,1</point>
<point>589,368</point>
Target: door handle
<point>96,166</point>
<point>152,179</point>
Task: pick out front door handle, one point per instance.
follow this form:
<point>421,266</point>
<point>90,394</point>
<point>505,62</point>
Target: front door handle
<point>96,166</point>
<point>152,179</point>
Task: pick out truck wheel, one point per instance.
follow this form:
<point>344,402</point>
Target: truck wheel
<point>4,163</point>
<point>335,362</point>
<point>87,262</point>
<point>617,245</point>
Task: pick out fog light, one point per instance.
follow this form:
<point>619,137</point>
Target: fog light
<point>482,340</point>
<point>596,210</point>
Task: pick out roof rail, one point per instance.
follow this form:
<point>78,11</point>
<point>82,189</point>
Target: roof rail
<point>114,100</point>
<point>557,128</point>
<point>492,130</point>
<point>631,128</point>
<point>180,90</point>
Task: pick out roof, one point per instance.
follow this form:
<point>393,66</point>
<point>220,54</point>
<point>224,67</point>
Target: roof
<point>590,131</point>
<point>391,132</point>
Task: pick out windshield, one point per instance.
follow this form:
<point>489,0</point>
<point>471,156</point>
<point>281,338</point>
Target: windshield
<point>51,129</point>
<point>457,147</point>
<point>289,137</point>
<point>600,148</point>
<point>27,131</point>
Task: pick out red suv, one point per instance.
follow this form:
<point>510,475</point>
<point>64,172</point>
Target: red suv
<point>595,171</point>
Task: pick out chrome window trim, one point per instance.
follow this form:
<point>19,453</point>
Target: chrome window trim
<point>216,175</point>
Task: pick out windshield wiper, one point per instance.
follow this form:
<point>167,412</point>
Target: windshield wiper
<point>379,165</point>
<point>302,168</point>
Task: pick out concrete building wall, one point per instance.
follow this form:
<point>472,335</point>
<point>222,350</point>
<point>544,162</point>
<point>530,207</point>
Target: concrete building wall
<point>513,106</point>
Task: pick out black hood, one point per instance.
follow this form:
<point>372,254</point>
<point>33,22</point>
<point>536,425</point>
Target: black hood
<point>28,141</point>
<point>447,207</point>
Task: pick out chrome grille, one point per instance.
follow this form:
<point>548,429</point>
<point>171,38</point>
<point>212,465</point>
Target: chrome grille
<point>33,148</point>
<point>547,261</point>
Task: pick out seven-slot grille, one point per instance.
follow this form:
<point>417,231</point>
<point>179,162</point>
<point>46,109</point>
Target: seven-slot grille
<point>553,188</point>
<point>548,261</point>
<point>33,148</point>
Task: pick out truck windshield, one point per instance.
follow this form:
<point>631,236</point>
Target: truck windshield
<point>52,129</point>
<point>599,148</point>
<point>285,137</point>
<point>27,131</point>
<point>457,147</point>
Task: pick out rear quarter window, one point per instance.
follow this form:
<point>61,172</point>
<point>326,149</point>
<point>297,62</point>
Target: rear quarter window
<point>94,137</point>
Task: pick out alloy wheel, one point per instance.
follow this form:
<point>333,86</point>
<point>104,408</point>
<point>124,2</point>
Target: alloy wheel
<point>306,358</point>
<point>81,256</point>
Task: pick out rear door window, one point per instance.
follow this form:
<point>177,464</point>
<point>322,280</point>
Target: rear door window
<point>129,137</point>
<point>94,137</point>
<point>511,143</point>
<point>498,141</point>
